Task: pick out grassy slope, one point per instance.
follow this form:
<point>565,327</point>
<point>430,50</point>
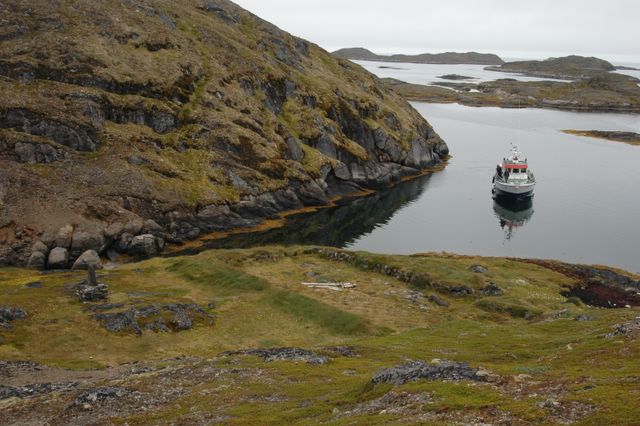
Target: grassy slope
<point>260,303</point>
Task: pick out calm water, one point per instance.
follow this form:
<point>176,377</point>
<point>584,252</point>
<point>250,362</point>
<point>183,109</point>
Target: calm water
<point>587,200</point>
<point>586,207</point>
<point>429,73</point>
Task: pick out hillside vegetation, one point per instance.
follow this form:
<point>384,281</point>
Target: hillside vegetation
<point>500,342</point>
<point>168,120</point>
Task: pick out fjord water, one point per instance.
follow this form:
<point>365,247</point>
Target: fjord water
<point>586,207</point>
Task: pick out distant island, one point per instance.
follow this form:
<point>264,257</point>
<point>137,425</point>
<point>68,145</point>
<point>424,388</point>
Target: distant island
<point>630,138</point>
<point>474,58</point>
<point>456,77</point>
<point>568,67</point>
<point>605,91</point>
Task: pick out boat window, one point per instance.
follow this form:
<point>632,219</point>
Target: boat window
<point>516,170</point>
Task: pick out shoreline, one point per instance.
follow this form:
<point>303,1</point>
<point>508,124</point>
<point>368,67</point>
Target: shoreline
<point>281,221</point>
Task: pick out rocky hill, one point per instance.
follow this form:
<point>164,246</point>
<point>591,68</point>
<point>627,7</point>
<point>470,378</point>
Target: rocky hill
<point>568,67</point>
<point>126,125</point>
<point>359,53</point>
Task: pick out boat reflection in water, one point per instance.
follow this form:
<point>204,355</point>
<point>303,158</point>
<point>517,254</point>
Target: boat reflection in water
<point>512,213</point>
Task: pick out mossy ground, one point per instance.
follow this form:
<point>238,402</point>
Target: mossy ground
<point>260,302</point>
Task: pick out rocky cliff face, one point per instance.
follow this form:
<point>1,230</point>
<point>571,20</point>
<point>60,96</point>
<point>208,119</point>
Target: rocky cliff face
<point>128,124</point>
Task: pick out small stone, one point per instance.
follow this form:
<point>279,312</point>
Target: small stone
<point>478,269</point>
<point>438,301</point>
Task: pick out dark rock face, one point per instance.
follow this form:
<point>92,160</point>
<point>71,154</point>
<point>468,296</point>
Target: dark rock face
<point>80,138</point>
<point>283,354</point>
<point>37,153</point>
<point>416,370</point>
<point>9,314</point>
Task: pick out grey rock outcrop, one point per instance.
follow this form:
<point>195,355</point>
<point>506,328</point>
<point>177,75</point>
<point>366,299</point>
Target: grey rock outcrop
<point>491,289</point>
<point>283,354</point>
<point>59,258</point>
<point>34,153</point>
<point>151,318</point>
<point>8,314</point>
<point>439,370</point>
<point>144,246</point>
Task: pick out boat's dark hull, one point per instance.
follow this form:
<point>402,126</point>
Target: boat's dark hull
<point>497,192</point>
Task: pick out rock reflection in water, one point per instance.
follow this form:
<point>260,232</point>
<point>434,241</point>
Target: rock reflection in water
<point>512,214</point>
<point>336,226</point>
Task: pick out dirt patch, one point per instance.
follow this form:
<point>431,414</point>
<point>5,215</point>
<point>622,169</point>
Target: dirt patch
<point>596,286</point>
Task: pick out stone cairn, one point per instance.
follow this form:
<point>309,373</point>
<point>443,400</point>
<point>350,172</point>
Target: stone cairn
<point>91,290</point>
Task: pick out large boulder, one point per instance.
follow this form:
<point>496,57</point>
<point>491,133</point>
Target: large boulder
<point>89,257</point>
<point>59,258</point>
<point>87,240</point>
<point>37,260</point>
<point>41,247</point>
<point>63,237</point>
<point>144,246</point>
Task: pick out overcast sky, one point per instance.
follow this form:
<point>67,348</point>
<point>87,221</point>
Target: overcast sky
<point>606,28</point>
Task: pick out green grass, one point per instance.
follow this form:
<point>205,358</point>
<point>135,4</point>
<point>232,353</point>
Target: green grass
<point>259,302</point>
<point>217,276</point>
<point>322,314</point>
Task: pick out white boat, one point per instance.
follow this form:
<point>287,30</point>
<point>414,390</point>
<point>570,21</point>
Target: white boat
<point>513,177</point>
